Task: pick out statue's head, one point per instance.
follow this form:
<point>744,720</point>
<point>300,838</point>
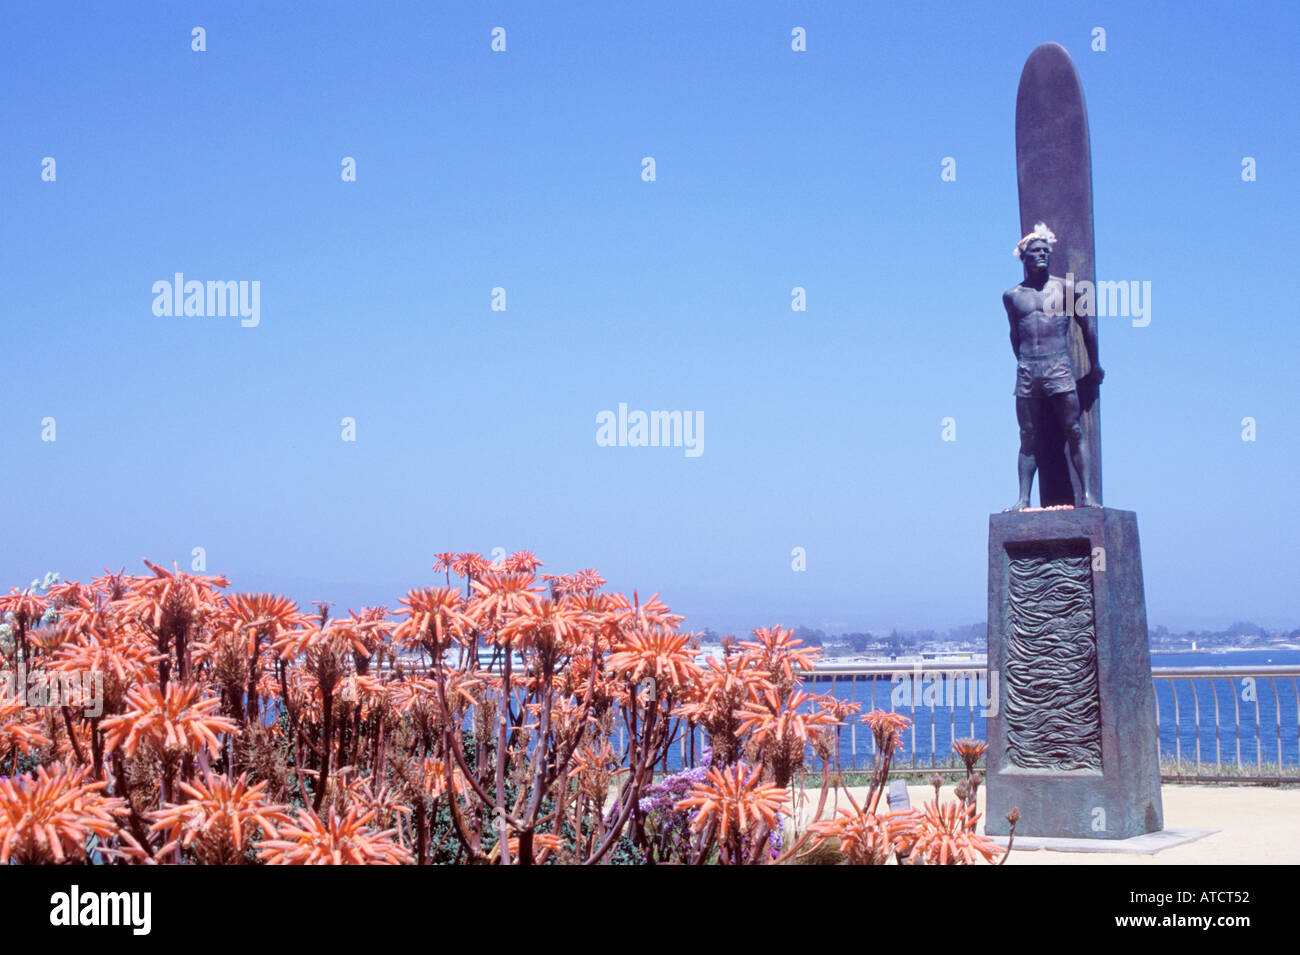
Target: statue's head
<point>1035,249</point>
<point>1036,255</point>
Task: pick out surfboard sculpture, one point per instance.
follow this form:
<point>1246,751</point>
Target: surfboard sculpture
<point>1054,172</point>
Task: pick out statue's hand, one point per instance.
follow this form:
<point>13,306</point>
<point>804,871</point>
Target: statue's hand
<point>1096,374</point>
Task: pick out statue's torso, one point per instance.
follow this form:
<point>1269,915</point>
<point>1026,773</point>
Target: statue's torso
<point>1042,323</point>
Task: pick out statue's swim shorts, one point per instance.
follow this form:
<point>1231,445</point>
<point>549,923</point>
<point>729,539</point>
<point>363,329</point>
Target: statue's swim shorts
<point>1044,375</point>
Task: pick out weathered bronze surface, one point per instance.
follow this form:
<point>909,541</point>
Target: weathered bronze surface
<point>1054,172</point>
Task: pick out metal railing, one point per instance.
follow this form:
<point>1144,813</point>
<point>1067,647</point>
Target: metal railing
<point>1271,719</point>
<point>1254,734</point>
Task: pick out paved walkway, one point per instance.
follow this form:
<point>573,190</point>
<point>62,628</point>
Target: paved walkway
<point>1257,825</point>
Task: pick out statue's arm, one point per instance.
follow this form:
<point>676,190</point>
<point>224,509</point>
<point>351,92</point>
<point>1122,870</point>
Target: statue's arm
<point>1009,305</point>
<point>1089,330</point>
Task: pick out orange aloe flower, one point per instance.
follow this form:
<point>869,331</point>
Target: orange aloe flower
<point>729,682</point>
<point>594,769</point>
<point>841,710</point>
<point>112,586</point>
<point>367,692</point>
<point>779,651</point>
<point>498,597</point>
<point>304,695</point>
<point>544,843</point>
<point>16,729</point>
<point>179,719</point>
<point>333,841</point>
<point>434,617</point>
<point>27,607</point>
<point>582,583</point>
<point>419,695</point>
<point>887,728</point>
<point>381,799</point>
<point>523,561</point>
<point>634,615</point>
<point>663,656</point>
<point>470,565</point>
<point>945,835</point>
<point>372,626</point>
<point>362,633</point>
<point>153,596</point>
<point>263,615</point>
<point>970,750</point>
<point>69,593</point>
<point>431,778</point>
<point>587,581</point>
<point>775,718</point>
<point>103,643</point>
<point>45,642</point>
<point>865,838</point>
<point>545,621</point>
<point>334,637</point>
<point>49,817</point>
<point>733,800</point>
<point>219,819</point>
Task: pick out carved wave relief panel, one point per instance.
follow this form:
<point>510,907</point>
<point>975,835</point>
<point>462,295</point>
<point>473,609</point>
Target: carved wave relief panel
<point>1053,713</point>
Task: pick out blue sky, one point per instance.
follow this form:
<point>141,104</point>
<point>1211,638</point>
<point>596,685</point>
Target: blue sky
<point>475,429</point>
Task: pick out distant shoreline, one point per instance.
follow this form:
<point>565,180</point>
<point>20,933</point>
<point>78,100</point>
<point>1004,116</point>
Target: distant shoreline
<point>978,658</point>
<point>1271,648</point>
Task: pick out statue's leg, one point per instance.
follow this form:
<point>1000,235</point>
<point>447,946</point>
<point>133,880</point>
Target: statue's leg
<point>1026,463</point>
<point>1067,407</point>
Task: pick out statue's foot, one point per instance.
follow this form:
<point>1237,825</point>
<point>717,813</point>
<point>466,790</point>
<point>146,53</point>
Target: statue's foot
<point>1090,501</point>
<point>1020,505</point>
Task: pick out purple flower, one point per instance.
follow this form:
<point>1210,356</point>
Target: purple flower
<point>776,838</point>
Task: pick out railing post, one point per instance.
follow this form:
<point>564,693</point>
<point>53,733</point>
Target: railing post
<point>1277,715</point>
<point>1214,692</point>
<point>1259,747</point>
<point>853,725</point>
<point>1178,739</point>
<point>1196,723</point>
